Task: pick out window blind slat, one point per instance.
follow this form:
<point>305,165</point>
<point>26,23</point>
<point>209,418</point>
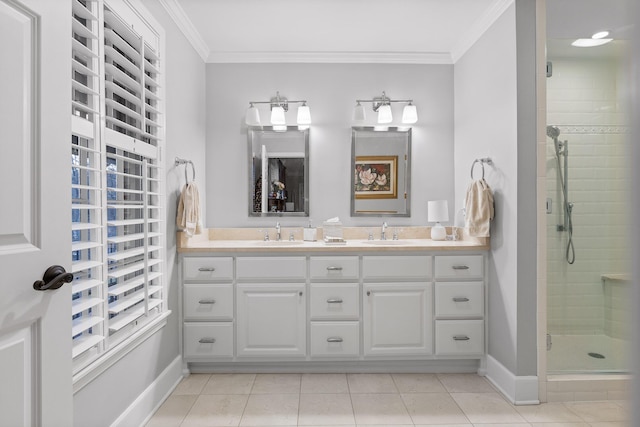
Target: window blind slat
<point>81,246</point>
<point>115,57</point>
<point>118,272</point>
<point>81,324</point>
<point>79,226</point>
<point>81,30</point>
<point>124,303</point>
<point>114,39</point>
<point>80,285</point>
<point>84,343</point>
<point>123,93</point>
<point>82,69</point>
<point>80,305</point>
<point>84,265</point>
<point>80,10</point>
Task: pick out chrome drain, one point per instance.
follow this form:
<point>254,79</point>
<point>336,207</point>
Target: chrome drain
<point>596,355</point>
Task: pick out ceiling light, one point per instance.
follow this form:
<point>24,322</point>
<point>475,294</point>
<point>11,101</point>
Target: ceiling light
<point>600,35</point>
<point>590,42</point>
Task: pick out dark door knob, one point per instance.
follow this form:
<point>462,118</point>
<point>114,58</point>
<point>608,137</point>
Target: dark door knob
<point>53,278</point>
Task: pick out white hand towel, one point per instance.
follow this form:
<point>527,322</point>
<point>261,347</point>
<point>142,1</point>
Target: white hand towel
<point>479,208</point>
<point>188,215</point>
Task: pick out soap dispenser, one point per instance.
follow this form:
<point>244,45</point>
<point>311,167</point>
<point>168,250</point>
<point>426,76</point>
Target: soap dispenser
<point>310,234</point>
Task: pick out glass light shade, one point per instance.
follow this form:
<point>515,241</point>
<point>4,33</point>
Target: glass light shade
<point>252,118</point>
<point>304,115</point>
<point>409,114</point>
<point>358,113</point>
<point>277,116</point>
<point>384,114</point>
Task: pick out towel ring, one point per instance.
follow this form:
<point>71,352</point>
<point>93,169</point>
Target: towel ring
<point>482,162</point>
<point>186,163</point>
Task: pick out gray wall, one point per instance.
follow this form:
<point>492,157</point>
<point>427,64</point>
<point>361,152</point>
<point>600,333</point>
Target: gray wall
<point>495,117</point>
<point>331,91</point>
<point>104,399</point>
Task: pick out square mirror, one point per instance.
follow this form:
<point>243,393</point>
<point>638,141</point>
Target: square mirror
<point>278,171</point>
<point>381,171</point>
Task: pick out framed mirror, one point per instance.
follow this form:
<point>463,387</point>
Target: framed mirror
<point>381,171</point>
<point>278,171</point>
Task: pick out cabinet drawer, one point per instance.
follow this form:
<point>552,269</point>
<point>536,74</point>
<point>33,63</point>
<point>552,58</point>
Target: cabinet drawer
<point>207,268</point>
<point>459,299</point>
<point>207,301</point>
<point>271,268</point>
<point>459,267</point>
<point>396,267</point>
<point>459,337</point>
<point>334,267</point>
<point>335,339</point>
<point>331,301</point>
<point>204,340</point>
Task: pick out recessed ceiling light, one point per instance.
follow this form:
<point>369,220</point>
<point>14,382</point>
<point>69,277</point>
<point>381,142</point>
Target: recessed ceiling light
<point>600,35</point>
<point>590,42</point>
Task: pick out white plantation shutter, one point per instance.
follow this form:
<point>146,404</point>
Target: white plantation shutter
<point>117,178</point>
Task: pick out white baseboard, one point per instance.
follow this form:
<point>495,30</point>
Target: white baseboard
<point>148,402</point>
<point>519,390</point>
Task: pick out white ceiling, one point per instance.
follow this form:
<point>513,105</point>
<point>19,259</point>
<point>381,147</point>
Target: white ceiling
<point>409,31</point>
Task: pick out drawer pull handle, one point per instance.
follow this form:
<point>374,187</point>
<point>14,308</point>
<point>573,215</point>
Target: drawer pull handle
<point>334,268</point>
<point>461,338</point>
<point>334,339</point>
<point>207,301</point>
<point>207,340</point>
<point>460,299</point>
<point>460,267</point>
<point>207,269</point>
<point>334,301</point>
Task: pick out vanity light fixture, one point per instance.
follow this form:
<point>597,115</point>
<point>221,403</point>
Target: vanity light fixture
<point>382,106</point>
<point>279,106</point>
<point>598,39</point>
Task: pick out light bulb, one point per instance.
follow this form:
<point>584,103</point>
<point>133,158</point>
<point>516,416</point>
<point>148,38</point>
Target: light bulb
<point>384,114</point>
<point>252,118</point>
<point>409,114</point>
<point>277,116</point>
<point>358,113</point>
<point>304,115</point>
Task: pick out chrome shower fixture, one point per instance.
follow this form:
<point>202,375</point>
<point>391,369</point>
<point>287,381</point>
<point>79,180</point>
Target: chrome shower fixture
<point>553,132</point>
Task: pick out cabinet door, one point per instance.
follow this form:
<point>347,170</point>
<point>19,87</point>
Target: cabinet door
<point>271,319</point>
<point>398,319</point>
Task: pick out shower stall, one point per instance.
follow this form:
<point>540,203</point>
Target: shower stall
<point>588,187</point>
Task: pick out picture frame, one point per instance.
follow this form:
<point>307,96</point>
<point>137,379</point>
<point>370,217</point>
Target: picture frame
<point>376,177</point>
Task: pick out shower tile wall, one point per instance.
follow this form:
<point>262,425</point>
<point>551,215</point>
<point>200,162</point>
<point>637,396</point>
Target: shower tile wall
<point>586,100</point>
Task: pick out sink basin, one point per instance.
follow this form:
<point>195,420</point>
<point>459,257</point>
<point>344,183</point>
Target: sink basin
<point>386,242</point>
<point>278,243</point>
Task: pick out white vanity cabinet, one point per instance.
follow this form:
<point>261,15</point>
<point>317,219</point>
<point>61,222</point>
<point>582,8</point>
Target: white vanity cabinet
<point>334,307</point>
<point>271,306</point>
<point>397,315</point>
<point>331,308</point>
<point>207,308</point>
<point>459,305</point>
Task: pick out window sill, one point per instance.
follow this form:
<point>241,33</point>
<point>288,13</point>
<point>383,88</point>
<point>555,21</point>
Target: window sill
<point>83,377</point>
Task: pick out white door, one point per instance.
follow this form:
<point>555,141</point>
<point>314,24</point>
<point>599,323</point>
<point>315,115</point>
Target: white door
<point>271,320</point>
<point>398,319</point>
<point>35,215</point>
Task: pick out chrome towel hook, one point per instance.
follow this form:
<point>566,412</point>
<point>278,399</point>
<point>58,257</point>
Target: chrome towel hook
<point>482,161</point>
<point>186,162</point>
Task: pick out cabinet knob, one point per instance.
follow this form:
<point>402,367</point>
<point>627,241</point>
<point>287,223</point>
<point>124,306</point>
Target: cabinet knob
<point>334,301</point>
<point>300,293</point>
<point>334,339</point>
<point>207,301</point>
<point>460,299</point>
<point>461,338</point>
<point>207,269</point>
<point>460,267</point>
<point>368,293</point>
<point>330,268</point>
<point>207,340</point>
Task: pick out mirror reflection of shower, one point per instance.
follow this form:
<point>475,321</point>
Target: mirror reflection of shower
<point>561,149</point>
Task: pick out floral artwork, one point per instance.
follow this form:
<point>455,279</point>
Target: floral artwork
<point>376,177</point>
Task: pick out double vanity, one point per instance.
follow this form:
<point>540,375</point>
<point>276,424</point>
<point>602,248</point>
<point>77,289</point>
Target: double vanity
<point>366,305</point>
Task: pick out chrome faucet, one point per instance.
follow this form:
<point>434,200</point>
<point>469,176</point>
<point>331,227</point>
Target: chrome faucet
<point>383,233</point>
<point>278,231</point>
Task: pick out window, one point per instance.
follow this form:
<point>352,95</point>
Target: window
<point>117,178</point>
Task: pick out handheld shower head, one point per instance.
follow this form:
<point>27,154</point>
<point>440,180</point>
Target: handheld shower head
<point>553,132</point>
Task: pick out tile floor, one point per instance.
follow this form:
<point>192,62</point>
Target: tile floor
<point>452,400</point>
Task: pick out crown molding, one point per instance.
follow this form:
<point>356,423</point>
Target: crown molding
<point>479,27</point>
<point>177,13</point>
<point>331,57</point>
